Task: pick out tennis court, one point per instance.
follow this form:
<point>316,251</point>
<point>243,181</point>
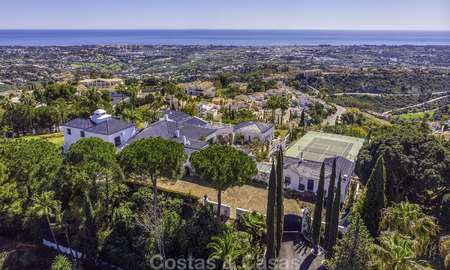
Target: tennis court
<point>317,146</point>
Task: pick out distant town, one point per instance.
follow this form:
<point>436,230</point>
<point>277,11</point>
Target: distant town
<point>381,80</point>
<point>22,65</point>
<point>318,156</point>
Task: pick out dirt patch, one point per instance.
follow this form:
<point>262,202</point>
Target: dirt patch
<point>247,197</point>
<point>23,256</point>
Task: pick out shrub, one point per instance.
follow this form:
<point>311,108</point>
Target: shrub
<point>61,263</point>
<point>444,216</point>
<point>444,250</point>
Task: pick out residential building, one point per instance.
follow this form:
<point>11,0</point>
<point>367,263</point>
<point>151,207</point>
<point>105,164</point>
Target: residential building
<point>208,110</point>
<point>310,73</point>
<point>254,131</point>
<point>199,89</point>
<point>101,84</point>
<point>194,133</point>
<point>100,125</point>
<point>303,175</point>
<point>303,161</point>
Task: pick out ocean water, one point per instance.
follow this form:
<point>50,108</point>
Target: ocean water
<point>220,37</point>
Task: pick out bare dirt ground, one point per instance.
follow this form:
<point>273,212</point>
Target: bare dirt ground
<point>24,256</point>
<point>247,197</point>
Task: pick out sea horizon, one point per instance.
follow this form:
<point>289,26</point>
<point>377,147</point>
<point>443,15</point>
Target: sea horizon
<point>222,37</point>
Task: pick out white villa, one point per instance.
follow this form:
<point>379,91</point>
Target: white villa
<point>193,132</point>
<point>303,161</point>
<point>100,125</point>
<point>254,131</point>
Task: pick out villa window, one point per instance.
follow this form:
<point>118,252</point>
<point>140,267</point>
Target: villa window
<point>301,187</point>
<point>287,181</point>
<point>69,131</point>
<point>310,185</point>
<point>82,135</point>
<point>117,141</point>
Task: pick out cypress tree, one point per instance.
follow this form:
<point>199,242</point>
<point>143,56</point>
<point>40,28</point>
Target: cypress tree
<point>271,214</point>
<point>334,222</point>
<point>318,210</point>
<point>351,252</point>
<point>90,232</point>
<point>280,196</point>
<point>329,204</point>
<point>302,119</point>
<point>375,199</point>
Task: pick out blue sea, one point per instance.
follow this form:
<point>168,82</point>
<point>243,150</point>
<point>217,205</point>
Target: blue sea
<point>220,37</point>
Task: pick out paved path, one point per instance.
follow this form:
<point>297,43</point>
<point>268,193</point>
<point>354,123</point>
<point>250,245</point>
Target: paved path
<point>416,105</point>
<point>247,197</point>
<point>295,256</point>
<point>385,94</point>
<point>331,120</point>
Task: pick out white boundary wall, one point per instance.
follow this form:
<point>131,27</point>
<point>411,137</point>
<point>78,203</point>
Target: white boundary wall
<point>240,212</point>
<point>62,249</point>
<point>225,209</point>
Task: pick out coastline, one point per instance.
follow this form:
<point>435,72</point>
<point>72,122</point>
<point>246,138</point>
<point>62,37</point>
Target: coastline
<point>223,37</point>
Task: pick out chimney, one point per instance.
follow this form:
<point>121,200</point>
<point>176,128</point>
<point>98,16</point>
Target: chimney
<point>100,116</point>
<point>186,141</point>
<point>177,133</point>
<point>301,158</point>
<point>166,117</point>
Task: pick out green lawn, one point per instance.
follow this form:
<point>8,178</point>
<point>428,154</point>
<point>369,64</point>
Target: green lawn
<point>418,115</point>
<point>56,138</point>
<point>376,120</point>
<point>415,116</point>
<point>281,133</point>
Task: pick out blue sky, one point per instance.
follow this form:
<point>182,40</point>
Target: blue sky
<point>226,14</point>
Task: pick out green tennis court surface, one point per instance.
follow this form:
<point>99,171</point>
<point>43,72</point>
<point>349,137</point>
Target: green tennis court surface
<point>317,146</point>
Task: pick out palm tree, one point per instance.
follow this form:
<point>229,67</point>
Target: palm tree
<point>278,102</point>
<point>400,217</point>
<point>27,99</point>
<point>255,224</point>
<point>64,225</point>
<point>425,230</point>
<point>132,115</point>
<point>44,205</point>
<point>158,101</point>
<point>61,107</point>
<point>121,89</point>
<point>409,219</point>
<point>395,252</point>
<point>226,248</point>
<point>133,90</point>
<point>7,104</point>
<point>273,105</point>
